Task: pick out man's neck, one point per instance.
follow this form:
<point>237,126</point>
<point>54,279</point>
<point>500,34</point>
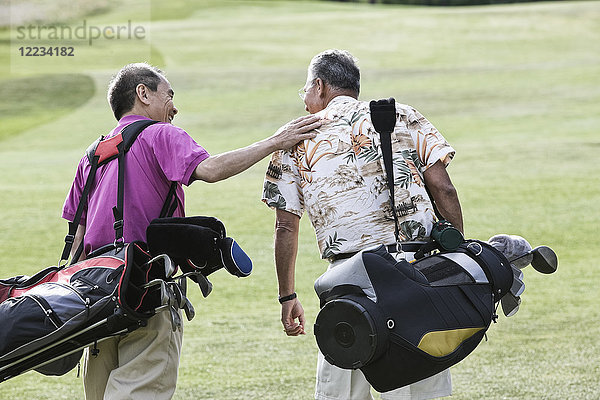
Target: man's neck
<point>137,111</point>
<point>339,93</point>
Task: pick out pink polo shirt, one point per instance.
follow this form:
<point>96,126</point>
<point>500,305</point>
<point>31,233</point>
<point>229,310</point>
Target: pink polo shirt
<point>162,153</point>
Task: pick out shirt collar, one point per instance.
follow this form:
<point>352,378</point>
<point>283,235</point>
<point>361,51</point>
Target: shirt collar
<point>131,118</point>
<point>126,120</point>
<point>340,100</point>
<point>332,113</point>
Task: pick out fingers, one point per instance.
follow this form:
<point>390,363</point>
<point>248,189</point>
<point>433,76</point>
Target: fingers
<point>310,128</point>
<point>295,330</point>
<point>302,321</point>
<point>306,123</point>
<point>298,130</point>
<point>291,310</point>
<point>305,119</point>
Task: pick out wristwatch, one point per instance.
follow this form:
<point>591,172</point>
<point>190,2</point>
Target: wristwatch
<point>287,298</point>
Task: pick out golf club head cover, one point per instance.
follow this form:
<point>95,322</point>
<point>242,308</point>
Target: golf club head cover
<point>235,260</point>
<point>197,244</point>
<point>383,115</point>
<point>207,222</point>
<point>188,241</point>
<point>512,246</point>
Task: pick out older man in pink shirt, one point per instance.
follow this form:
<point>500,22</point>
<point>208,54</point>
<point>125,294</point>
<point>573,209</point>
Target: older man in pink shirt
<point>143,364</point>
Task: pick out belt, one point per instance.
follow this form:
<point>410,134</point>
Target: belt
<point>410,247</point>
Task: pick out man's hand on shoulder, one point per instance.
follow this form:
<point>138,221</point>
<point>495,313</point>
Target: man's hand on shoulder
<point>225,165</point>
<point>296,131</point>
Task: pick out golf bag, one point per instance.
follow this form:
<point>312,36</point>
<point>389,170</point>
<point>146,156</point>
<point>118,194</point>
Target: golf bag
<point>49,318</point>
<point>400,322</point>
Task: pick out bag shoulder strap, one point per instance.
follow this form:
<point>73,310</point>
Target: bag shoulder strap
<point>101,152</point>
<point>383,118</point>
<point>122,143</point>
<point>108,149</point>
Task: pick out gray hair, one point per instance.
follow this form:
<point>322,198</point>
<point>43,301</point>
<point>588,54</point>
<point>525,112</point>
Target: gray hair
<point>337,68</point>
<point>121,89</point>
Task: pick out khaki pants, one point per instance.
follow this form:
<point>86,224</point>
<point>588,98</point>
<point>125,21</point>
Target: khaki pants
<point>335,383</point>
<point>140,365</point>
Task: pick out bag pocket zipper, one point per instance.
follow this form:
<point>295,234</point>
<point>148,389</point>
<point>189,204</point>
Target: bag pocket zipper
<point>92,285</point>
<point>43,304</point>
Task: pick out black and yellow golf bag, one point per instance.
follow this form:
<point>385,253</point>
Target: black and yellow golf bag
<point>400,322</point>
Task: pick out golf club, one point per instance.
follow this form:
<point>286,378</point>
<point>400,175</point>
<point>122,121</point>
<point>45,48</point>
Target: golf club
<point>510,304</point>
<point>178,293</point>
<point>201,280</point>
<point>190,312</point>
<point>175,318</point>
<point>170,267</point>
<point>518,287</point>
<point>544,260</point>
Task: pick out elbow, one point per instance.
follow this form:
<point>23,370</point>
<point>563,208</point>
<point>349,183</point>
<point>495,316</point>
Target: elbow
<point>448,190</point>
<point>284,227</point>
<point>286,223</point>
<point>444,193</point>
<point>212,178</point>
<point>209,172</point>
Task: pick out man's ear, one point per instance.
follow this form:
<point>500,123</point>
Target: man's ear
<point>320,87</point>
<point>142,93</point>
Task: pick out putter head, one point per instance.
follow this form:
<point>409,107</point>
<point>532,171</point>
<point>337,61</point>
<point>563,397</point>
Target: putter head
<point>544,260</point>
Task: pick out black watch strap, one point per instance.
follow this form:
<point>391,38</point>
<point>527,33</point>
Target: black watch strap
<point>287,298</point>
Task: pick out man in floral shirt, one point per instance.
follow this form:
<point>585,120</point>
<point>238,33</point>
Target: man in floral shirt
<point>338,178</point>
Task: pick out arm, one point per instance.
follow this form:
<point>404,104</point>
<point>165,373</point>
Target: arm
<point>287,227</point>
<point>444,194</point>
<point>225,165</point>
<point>77,241</point>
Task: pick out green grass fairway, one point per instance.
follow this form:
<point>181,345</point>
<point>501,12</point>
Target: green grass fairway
<point>514,88</point>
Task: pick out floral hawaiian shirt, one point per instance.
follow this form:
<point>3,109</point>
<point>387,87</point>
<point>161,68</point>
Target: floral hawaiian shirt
<point>338,178</point>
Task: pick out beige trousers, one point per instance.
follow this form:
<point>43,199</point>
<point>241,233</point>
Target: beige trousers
<point>140,365</point>
<point>335,383</point>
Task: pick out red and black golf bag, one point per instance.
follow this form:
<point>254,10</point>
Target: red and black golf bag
<point>49,318</point>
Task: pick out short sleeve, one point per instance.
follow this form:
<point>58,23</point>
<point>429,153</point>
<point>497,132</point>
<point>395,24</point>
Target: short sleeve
<point>282,189</point>
<point>430,144</point>
<point>74,195</point>
<point>177,153</point>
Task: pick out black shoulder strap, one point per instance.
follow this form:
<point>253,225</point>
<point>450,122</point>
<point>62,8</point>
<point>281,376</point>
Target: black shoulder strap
<point>383,118</point>
<point>101,152</point>
<point>128,136</point>
<point>108,149</point>
<point>170,204</point>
